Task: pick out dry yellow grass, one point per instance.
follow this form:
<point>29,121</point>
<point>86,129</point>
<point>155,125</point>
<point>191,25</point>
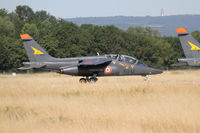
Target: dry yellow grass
<point>53,103</point>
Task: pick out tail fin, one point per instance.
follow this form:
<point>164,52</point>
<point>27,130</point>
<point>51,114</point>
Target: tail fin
<point>190,45</point>
<point>34,51</point>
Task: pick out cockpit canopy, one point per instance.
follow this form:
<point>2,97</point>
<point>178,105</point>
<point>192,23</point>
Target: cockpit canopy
<point>125,58</point>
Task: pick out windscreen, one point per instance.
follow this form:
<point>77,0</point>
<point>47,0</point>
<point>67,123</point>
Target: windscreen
<point>140,63</point>
<point>112,56</point>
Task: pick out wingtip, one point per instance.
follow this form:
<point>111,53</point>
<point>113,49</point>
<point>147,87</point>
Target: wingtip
<point>181,31</point>
<point>25,36</point>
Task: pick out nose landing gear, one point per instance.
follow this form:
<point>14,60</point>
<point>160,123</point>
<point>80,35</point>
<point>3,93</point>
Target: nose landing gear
<point>146,77</point>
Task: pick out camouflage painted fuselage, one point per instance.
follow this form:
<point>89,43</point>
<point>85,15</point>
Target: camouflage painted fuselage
<point>104,65</point>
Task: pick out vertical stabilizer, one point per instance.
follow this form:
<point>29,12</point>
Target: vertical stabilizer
<point>34,51</point>
<point>191,46</point>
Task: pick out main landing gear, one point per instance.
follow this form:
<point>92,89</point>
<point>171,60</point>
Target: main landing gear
<point>92,79</point>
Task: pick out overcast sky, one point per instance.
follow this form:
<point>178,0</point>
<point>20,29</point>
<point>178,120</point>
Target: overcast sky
<point>97,8</point>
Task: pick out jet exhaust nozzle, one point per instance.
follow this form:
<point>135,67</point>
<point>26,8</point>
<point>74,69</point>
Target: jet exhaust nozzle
<point>69,71</point>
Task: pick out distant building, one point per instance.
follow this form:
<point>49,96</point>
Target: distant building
<point>162,12</point>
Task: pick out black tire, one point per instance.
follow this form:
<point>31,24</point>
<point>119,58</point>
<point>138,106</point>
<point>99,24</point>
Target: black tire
<point>93,80</point>
<point>83,80</point>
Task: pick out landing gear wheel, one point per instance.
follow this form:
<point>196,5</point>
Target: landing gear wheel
<point>82,80</point>
<point>93,80</point>
<point>146,78</point>
<point>88,79</point>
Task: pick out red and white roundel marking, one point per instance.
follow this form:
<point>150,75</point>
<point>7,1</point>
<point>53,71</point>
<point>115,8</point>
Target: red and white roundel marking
<point>108,70</point>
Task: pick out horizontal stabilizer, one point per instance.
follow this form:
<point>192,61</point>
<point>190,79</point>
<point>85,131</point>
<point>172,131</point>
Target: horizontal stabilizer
<point>25,68</point>
<point>34,64</point>
<point>185,59</point>
<point>30,65</point>
<point>191,61</point>
<point>188,59</point>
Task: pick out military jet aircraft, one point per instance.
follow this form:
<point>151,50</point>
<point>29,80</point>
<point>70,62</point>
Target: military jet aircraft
<point>89,67</point>
<point>191,48</point>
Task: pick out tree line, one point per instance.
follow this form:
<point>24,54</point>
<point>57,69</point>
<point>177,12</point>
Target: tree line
<point>66,39</point>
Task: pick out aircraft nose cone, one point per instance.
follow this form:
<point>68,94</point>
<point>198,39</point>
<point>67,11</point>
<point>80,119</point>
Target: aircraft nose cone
<point>155,71</point>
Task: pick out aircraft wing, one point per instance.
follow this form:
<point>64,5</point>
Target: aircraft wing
<point>94,62</point>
